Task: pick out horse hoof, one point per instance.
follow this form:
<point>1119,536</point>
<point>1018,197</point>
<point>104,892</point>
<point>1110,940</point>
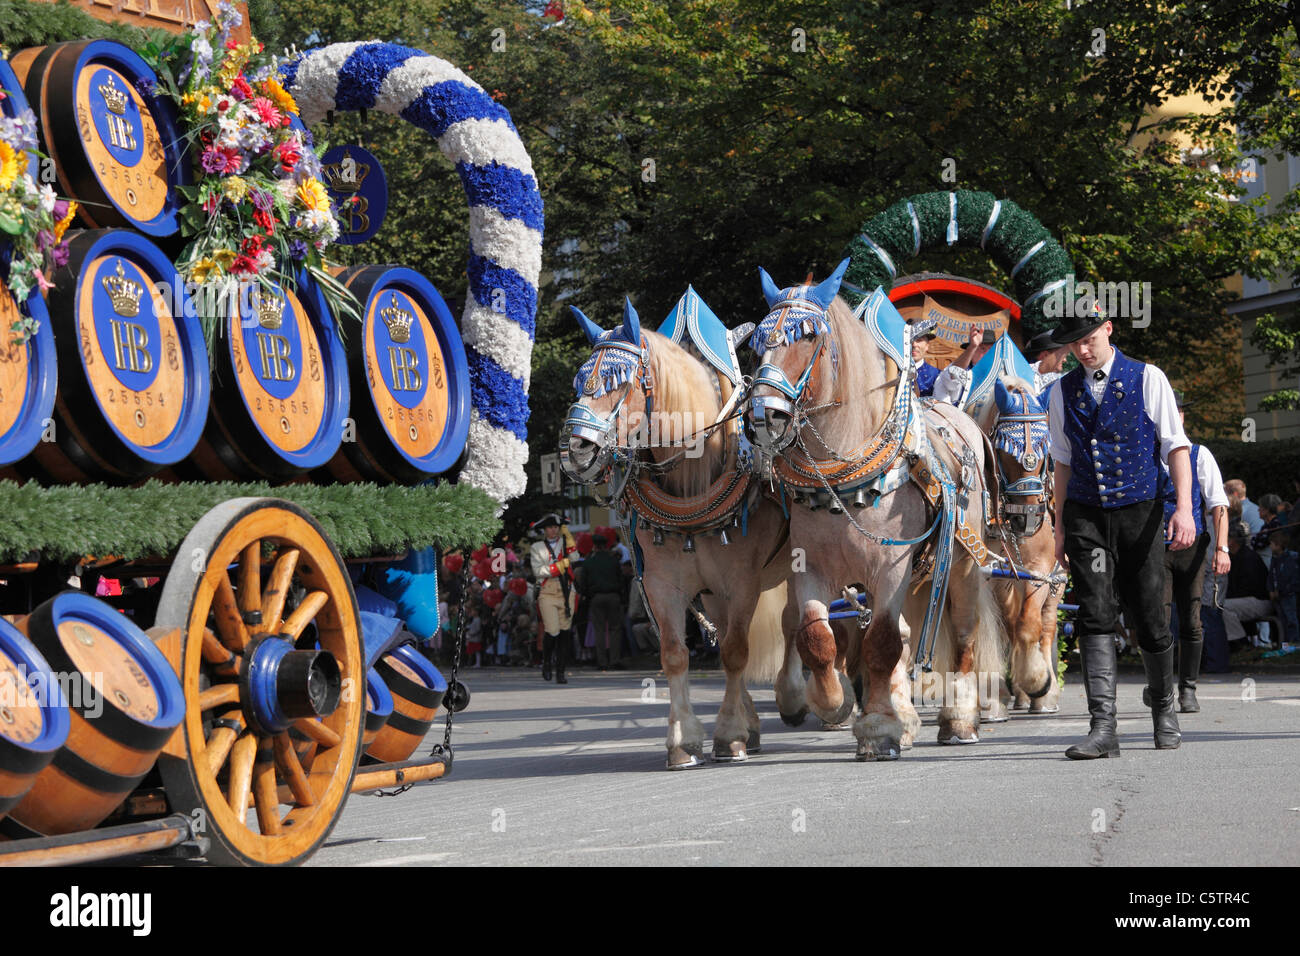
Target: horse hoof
<point>796,719</point>
<point>879,750</point>
<point>752,745</point>
<point>729,751</point>
<point>682,760</point>
<point>826,726</point>
<point>1036,708</point>
<point>1021,703</point>
<point>953,738</point>
<point>994,717</point>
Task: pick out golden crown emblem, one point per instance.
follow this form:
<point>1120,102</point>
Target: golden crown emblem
<point>114,98</point>
<point>123,292</point>
<point>398,321</point>
<point>270,310</point>
<point>345,176</point>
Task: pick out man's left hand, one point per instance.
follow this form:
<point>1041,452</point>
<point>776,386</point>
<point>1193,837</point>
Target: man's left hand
<point>1181,533</point>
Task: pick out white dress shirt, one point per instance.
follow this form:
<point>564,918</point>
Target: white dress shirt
<point>1043,379</point>
<point>1211,481</point>
<point>1157,398</point>
<point>951,383</point>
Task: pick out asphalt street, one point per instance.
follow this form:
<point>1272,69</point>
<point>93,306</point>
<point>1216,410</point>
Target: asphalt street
<point>548,775</point>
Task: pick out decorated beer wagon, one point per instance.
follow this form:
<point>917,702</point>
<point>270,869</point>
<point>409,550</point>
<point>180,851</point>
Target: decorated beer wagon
<point>219,525</point>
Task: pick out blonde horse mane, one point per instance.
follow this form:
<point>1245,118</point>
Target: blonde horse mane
<point>685,391</point>
<point>861,363</point>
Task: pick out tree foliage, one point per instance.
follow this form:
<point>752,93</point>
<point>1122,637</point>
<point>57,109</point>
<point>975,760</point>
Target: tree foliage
<point>694,141</point>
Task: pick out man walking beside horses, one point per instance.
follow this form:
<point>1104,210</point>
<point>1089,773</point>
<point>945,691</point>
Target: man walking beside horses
<point>1113,422</point>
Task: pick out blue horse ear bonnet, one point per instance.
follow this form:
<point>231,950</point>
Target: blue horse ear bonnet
<point>616,356</point>
<point>796,311</point>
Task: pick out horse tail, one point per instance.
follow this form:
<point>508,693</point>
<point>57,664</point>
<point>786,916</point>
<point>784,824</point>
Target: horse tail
<point>989,645</point>
<point>766,636</point>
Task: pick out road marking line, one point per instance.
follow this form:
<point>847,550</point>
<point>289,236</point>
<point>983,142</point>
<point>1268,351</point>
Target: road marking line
<point>672,844</point>
<point>414,858</point>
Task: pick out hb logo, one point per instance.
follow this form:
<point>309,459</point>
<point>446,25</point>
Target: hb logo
<point>406,369</point>
<point>276,356</point>
<point>131,347</point>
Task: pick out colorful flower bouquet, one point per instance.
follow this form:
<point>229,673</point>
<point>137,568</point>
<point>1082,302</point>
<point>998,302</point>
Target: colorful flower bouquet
<point>258,210</point>
<point>32,218</point>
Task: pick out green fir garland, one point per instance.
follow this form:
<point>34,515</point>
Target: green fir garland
<point>67,522</point>
<point>1017,241</point>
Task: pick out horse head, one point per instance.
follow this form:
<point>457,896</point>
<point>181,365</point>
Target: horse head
<point>641,392</point>
<point>1020,438</point>
<point>795,342</point>
<point>614,381</point>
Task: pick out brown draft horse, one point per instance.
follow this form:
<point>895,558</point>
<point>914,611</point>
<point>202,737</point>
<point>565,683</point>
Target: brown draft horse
<point>821,400</point>
<point>692,468</point>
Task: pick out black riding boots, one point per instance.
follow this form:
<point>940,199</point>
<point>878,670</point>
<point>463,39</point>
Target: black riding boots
<point>1098,654</point>
<point>1160,681</point>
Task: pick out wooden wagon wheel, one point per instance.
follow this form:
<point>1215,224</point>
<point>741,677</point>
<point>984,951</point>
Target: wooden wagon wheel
<point>246,685</point>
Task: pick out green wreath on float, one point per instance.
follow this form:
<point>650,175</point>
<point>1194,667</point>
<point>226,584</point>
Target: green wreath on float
<point>1020,244</point>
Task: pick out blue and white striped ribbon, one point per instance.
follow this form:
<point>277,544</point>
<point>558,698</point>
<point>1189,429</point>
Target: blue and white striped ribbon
<point>952,218</point>
<point>505,218</point>
<point>916,231</point>
<point>1045,290</point>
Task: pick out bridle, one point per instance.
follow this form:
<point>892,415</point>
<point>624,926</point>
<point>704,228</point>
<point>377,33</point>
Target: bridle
<point>600,430</point>
<point>1024,500</point>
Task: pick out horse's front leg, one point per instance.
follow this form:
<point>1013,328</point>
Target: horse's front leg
<point>685,732</point>
<point>731,733</point>
<point>1050,702</point>
<point>880,729</point>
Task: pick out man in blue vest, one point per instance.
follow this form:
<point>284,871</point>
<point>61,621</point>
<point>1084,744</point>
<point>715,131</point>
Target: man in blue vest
<point>1113,423</point>
<point>926,373</point>
<point>1185,570</point>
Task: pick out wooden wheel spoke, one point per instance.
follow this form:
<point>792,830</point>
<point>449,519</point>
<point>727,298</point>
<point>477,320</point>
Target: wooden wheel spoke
<point>241,772</point>
<point>230,626</point>
<point>304,614</point>
<point>287,760</point>
<point>265,797</point>
<point>217,695</point>
<point>214,652</point>
<point>317,731</point>
<point>222,739</point>
<point>277,589</point>
<point>250,578</point>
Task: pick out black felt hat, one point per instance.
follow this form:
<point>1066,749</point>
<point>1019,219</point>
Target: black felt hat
<point>1075,327</point>
<point>546,521</point>
<point>1042,342</point>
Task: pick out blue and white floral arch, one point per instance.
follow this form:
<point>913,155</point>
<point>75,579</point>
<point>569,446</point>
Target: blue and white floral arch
<point>505,218</point>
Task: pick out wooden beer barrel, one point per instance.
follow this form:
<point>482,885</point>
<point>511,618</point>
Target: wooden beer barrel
<point>280,395</point>
<point>379,707</point>
<point>133,368</point>
<point>34,717</point>
<point>125,702</point>
<point>417,690</point>
<point>28,370</point>
<point>410,381</point>
<point>118,152</point>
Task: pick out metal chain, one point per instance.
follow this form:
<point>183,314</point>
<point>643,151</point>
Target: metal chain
<point>444,749</point>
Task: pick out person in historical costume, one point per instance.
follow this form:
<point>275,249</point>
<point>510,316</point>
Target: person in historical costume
<point>925,372</point>
<point>1185,570</point>
<point>1113,423</point>
<point>551,559</point>
<point>950,386</point>
<point>1047,359</point>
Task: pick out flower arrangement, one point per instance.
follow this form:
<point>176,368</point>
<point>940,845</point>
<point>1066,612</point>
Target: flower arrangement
<point>258,210</point>
<point>32,218</point>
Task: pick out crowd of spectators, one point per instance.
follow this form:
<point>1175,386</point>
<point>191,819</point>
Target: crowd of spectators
<point>502,627</point>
